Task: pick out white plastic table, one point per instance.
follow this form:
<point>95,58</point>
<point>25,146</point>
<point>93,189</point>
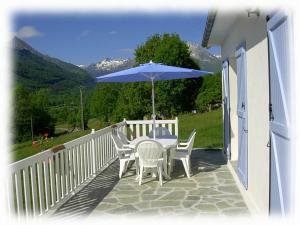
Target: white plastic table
<point>168,142</point>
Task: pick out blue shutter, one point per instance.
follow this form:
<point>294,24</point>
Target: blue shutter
<point>226,109</point>
<point>279,53</point>
<point>242,108</point>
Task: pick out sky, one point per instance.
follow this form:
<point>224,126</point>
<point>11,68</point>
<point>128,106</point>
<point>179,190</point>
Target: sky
<point>89,38</point>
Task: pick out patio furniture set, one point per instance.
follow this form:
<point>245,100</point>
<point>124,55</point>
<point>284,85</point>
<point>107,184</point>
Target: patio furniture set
<point>154,153</point>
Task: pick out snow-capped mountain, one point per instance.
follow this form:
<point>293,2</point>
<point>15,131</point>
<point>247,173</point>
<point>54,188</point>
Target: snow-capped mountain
<point>108,66</point>
<point>204,58</point>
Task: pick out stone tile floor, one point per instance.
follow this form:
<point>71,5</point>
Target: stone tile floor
<point>210,191</point>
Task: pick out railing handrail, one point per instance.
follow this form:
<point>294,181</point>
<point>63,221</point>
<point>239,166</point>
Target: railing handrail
<point>48,152</point>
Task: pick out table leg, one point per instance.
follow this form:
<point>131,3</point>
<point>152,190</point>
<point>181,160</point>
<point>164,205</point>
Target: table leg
<point>165,166</point>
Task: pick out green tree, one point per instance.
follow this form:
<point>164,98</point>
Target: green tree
<point>134,102</point>
<point>103,100</point>
<point>210,93</point>
<point>21,114</point>
<point>31,108</point>
<point>174,96</point>
<point>42,120</point>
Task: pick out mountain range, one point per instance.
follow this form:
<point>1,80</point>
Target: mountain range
<point>204,59</point>
<point>108,66</point>
<point>36,70</point>
<point>200,55</point>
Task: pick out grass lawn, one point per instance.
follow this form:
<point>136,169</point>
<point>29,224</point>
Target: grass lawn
<point>25,149</point>
<point>209,127</point>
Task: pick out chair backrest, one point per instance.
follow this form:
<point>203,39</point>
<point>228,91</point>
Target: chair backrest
<point>191,142</point>
<point>150,152</point>
<point>191,134</point>
<point>160,132</point>
<point>123,138</point>
<point>118,144</point>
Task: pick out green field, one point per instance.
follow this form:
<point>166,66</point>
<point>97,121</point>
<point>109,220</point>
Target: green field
<point>209,127</point>
<point>25,149</point>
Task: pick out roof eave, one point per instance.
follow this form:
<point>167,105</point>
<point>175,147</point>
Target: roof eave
<point>208,27</point>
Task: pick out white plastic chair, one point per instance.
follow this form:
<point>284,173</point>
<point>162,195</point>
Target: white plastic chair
<point>125,154</point>
<point>160,132</point>
<point>123,138</point>
<point>183,153</point>
<point>150,156</point>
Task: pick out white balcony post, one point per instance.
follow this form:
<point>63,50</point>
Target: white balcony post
<point>125,127</point>
<point>93,153</point>
<point>176,126</point>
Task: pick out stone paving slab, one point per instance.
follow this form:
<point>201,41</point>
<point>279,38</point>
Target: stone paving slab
<point>211,191</point>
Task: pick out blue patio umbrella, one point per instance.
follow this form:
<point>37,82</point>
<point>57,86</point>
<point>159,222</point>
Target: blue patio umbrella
<point>151,72</point>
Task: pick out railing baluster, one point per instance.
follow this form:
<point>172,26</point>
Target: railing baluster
<point>137,130</point>
<point>71,170</point>
<point>26,192</point>
<point>19,194</point>
<point>131,131</point>
<point>46,183</point>
<point>88,159</point>
<point>67,172</point>
<point>62,174</point>
<point>57,178</point>
<point>52,180</point>
<point>176,126</point>
<point>10,196</point>
<point>84,160</point>
<point>102,150</point>
<point>106,148</point>
<point>81,163</point>
<point>144,129</point>
<point>34,189</point>
<point>41,187</point>
<point>170,127</point>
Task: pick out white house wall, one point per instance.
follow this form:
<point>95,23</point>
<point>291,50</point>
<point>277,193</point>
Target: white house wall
<point>252,31</point>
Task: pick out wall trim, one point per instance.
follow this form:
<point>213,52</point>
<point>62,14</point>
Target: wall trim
<point>253,208</point>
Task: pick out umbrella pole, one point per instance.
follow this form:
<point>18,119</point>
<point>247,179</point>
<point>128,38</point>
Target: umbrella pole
<point>153,107</point>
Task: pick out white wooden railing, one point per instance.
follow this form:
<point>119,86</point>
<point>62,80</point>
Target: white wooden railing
<point>139,128</point>
<point>40,183</point>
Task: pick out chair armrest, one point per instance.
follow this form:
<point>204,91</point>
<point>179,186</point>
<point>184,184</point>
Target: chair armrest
<point>128,146</point>
<point>125,150</point>
<point>182,144</point>
<point>181,148</point>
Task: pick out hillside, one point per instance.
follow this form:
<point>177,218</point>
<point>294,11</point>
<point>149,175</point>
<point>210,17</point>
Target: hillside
<point>35,70</point>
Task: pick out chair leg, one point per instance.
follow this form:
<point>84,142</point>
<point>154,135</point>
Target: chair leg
<point>141,175</point>
<point>137,167</point>
<point>185,166</point>
<point>126,166</point>
<point>122,164</point>
<point>188,167</point>
<point>188,162</point>
<point>160,175</point>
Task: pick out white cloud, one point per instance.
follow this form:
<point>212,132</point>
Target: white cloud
<point>113,32</point>
<point>28,32</point>
<point>126,49</point>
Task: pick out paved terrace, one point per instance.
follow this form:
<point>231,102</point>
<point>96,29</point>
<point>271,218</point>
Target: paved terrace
<point>210,191</point>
